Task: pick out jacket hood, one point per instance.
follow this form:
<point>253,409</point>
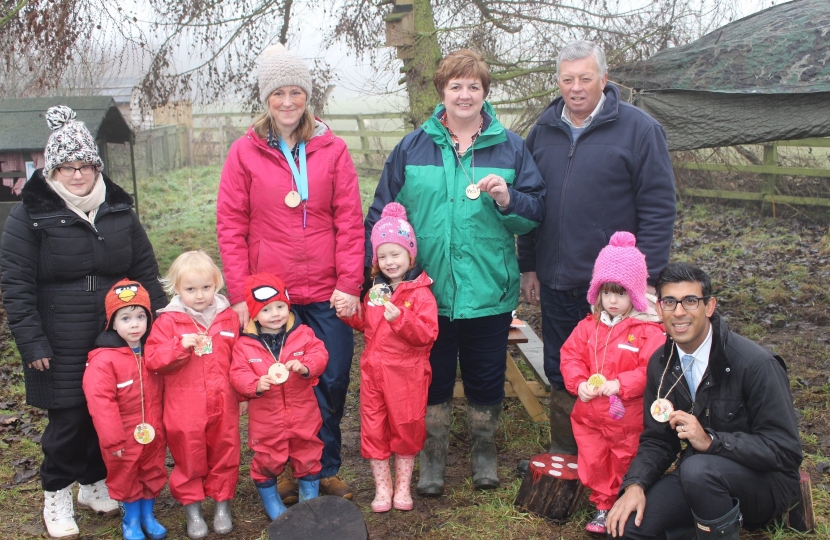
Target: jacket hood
<point>109,339</point>
<point>39,198</point>
<point>552,115</point>
<point>415,277</point>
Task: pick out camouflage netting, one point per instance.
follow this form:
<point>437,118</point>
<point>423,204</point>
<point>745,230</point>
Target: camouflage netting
<point>765,77</point>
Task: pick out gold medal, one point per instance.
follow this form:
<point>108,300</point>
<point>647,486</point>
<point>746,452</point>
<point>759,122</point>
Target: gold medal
<point>661,409</point>
<point>292,200</point>
<point>279,372</point>
<point>472,192</point>
<point>144,433</point>
<point>205,345</point>
<point>380,294</point>
<point>596,380</point>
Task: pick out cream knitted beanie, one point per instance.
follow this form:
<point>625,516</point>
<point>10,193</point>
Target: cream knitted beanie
<point>278,67</point>
<point>69,141</point>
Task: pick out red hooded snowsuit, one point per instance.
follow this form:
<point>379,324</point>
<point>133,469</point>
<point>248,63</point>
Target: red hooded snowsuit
<point>202,412</point>
<point>395,371</point>
<point>325,254</point>
<point>607,446</point>
<point>284,420</point>
<point>113,396</point>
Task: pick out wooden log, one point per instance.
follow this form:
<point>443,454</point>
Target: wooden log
<point>551,487</point>
<point>322,518</point>
<point>801,516</point>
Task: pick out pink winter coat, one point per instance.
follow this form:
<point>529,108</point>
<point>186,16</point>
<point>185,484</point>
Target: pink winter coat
<point>258,232</point>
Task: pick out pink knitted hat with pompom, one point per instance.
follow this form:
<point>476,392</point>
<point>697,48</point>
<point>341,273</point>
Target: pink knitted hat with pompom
<point>393,228</point>
<point>621,262</point>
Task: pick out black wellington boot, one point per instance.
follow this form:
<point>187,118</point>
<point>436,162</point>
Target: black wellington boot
<point>726,527</point>
<point>483,420</point>
<point>434,455</point>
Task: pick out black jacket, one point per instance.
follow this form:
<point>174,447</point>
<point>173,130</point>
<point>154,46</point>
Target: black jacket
<point>743,400</point>
<point>616,177</point>
<point>46,254</point>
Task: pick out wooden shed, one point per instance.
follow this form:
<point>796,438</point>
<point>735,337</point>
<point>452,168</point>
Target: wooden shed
<point>24,133</point>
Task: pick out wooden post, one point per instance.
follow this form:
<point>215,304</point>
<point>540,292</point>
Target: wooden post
<point>801,517</point>
<point>322,518</point>
<point>551,486</point>
<point>768,189</point>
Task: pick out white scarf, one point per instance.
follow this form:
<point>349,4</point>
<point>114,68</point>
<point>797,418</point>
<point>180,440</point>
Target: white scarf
<point>86,206</point>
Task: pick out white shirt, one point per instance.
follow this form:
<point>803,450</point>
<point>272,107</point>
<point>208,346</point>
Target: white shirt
<point>701,357</point>
<point>566,114</point>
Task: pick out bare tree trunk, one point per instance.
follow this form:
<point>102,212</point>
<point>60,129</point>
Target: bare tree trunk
<point>421,68</point>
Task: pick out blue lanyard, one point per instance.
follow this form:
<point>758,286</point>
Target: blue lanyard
<point>301,175</point>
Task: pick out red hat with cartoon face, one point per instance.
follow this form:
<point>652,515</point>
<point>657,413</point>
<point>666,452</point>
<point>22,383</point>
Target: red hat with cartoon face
<point>262,289</point>
<point>126,293</point>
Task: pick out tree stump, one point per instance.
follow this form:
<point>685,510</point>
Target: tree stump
<point>322,518</point>
<point>801,517</point>
<point>551,487</point>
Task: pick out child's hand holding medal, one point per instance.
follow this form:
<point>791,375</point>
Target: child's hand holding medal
<point>297,367</point>
<point>201,343</point>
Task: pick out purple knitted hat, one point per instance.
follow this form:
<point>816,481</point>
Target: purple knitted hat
<point>621,262</point>
<point>393,228</point>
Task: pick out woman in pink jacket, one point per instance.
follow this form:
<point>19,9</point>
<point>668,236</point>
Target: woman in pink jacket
<point>289,204</point>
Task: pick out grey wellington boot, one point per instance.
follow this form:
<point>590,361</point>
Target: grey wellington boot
<point>561,433</point>
<point>196,526</point>
<point>483,421</point>
<point>726,527</point>
<point>434,455</point>
<point>222,519</point>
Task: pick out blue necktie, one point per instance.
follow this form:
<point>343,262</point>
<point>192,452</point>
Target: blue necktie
<point>686,361</point>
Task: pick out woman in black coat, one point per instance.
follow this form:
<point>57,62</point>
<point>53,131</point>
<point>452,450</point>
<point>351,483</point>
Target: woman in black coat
<point>70,239</point>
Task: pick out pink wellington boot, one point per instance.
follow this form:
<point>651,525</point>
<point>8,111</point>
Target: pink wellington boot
<point>383,485</point>
<point>403,475</point>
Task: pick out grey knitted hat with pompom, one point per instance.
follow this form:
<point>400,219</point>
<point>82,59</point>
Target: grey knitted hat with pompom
<point>278,67</point>
<point>70,140</point>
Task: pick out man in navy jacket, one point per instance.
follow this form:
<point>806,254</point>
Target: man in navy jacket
<point>607,168</point>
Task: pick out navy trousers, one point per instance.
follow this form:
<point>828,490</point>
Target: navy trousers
<point>480,346</point>
<point>334,382</point>
<point>561,312</point>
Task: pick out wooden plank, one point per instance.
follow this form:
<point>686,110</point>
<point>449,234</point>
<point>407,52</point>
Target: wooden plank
<point>529,401</point>
<point>516,336</point>
<point>743,196</point>
<point>532,351</point>
<point>535,388</point>
<point>760,169</point>
<point>818,142</point>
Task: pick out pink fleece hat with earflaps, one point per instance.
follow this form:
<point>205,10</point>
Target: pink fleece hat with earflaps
<point>621,262</point>
<point>393,228</point>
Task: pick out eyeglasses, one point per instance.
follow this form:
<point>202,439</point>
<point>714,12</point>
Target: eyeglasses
<point>689,303</point>
<point>68,170</point>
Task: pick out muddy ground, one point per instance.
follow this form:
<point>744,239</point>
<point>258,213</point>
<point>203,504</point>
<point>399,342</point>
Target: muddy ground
<point>772,283</point>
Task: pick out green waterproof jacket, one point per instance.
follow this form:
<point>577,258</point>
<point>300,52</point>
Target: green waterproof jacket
<point>467,246</point>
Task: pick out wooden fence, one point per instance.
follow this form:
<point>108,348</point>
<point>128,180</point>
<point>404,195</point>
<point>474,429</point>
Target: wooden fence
<point>371,136</point>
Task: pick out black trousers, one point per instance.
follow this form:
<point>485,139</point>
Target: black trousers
<point>70,450</point>
<point>705,485</point>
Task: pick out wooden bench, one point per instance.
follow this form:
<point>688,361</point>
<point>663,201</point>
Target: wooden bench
<point>528,392</point>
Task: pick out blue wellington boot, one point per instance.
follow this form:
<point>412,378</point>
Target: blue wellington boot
<point>309,489</point>
<point>274,506</point>
<point>153,529</point>
<point>131,522</point>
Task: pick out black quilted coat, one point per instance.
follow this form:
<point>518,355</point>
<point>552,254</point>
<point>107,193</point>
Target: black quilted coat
<point>55,269</point>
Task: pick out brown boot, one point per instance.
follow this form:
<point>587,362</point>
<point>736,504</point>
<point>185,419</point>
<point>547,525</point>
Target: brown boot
<point>335,487</point>
<point>561,432</point>
<point>288,488</point>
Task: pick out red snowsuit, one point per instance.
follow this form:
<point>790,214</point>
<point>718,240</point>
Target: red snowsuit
<point>607,446</point>
<point>113,396</point>
<point>394,369</point>
<point>284,420</point>
<point>202,412</point>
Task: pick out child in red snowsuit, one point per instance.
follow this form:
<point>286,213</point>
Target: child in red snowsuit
<point>399,318</point>
<point>604,363</point>
<point>191,345</point>
<point>124,398</point>
<point>276,364</point>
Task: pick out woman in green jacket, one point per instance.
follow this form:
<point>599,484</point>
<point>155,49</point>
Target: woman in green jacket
<point>469,187</point>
